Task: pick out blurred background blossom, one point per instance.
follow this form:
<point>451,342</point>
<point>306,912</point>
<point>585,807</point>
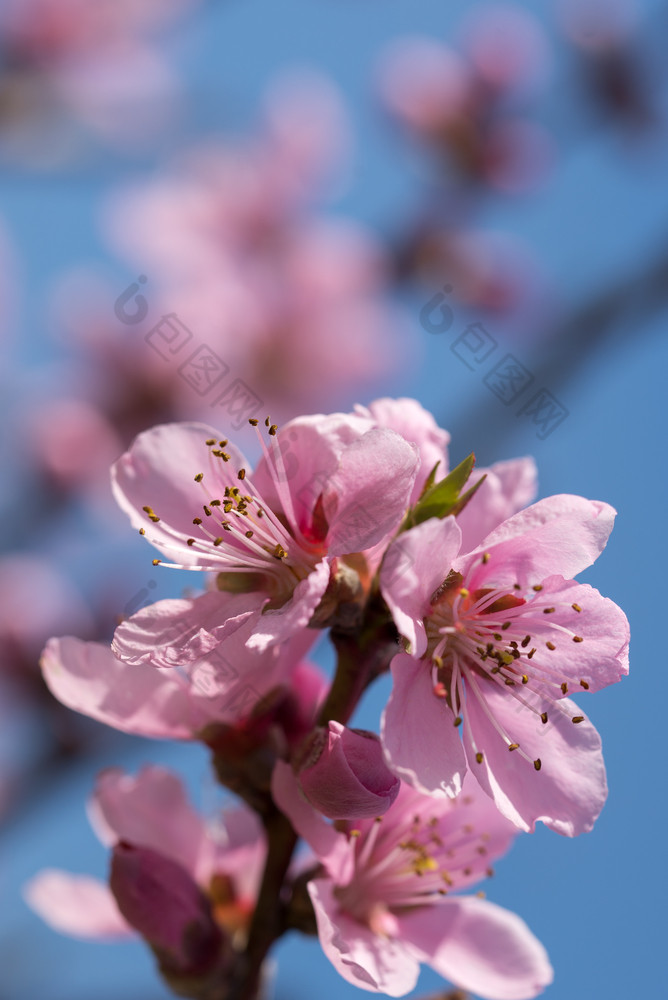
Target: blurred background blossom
<point>213,211</point>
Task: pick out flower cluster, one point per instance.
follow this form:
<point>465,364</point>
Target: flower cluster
<point>452,580</point>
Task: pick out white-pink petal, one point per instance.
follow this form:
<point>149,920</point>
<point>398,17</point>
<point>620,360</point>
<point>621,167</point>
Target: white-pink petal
<point>175,632</point>
<point>149,810</point>
<point>372,962</point>
<point>276,625</point>
<point>415,565</point>
<point>369,493</point>
<point>562,534</point>
<point>75,904</point>
<point>569,790</point>
<point>87,677</point>
<point>333,849</point>
<point>508,487</point>
<point>420,740</point>
<point>159,471</point>
<point>480,947</point>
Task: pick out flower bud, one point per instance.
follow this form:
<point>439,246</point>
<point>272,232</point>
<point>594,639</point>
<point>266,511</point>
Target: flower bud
<point>343,773</point>
<point>159,898</point>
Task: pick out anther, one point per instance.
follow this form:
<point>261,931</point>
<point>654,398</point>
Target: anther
<point>485,559</point>
<point>578,638</point>
<point>506,625</point>
<point>550,645</point>
<point>273,429</point>
<point>576,607</point>
<point>537,763</point>
<point>223,442</point>
<point>210,441</point>
<point>530,653</point>
<point>249,534</point>
<point>548,611</point>
<point>525,641</point>
<point>510,682</point>
<point>241,474</point>
<point>543,718</point>
<point>156,562</point>
<point>564,688</point>
<point>217,541</point>
<point>142,531</point>
<point>578,718</point>
<point>199,477</point>
<point>191,541</point>
<point>253,421</point>
<point>525,679</point>
<point>513,746</point>
<point>207,510</point>
<point>197,520</point>
<point>215,503</point>
<point>479,757</point>
<point>584,684</point>
<point>458,720</point>
<point>537,587</point>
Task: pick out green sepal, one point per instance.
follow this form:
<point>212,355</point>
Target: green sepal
<point>446,497</point>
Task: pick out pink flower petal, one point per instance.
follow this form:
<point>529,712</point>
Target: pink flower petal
<point>309,448</point>
<point>277,625</point>
<point>373,962</point>
<point>368,495</point>
<point>480,947</point>
<point>415,565</point>
<point>87,677</point>
<point>508,488</point>
<point>563,534</point>
<point>332,848</point>
<point>173,633</point>
<point>75,904</point>
<point>600,659</point>
<point>159,471</point>
<point>569,790</point>
<point>421,743</point>
<point>417,425</point>
<point>149,810</point>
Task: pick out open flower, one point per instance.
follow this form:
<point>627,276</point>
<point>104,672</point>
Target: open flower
<point>326,486</point>
<point>177,703</point>
<point>497,637</point>
<point>383,902</point>
<point>151,813</point>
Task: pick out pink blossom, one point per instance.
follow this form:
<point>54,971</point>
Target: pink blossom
<point>151,811</point>
<point>382,898</point>
<point>293,300</point>
<point>273,536</point>
<point>94,57</point>
<point>343,774</point>
<point>497,637</point>
<point>179,703</point>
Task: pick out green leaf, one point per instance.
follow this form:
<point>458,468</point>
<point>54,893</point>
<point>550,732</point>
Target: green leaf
<point>443,498</point>
<point>429,482</point>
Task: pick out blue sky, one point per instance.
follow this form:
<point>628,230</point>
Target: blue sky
<point>602,214</point>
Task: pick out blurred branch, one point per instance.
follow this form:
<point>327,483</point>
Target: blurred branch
<point>452,995</point>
